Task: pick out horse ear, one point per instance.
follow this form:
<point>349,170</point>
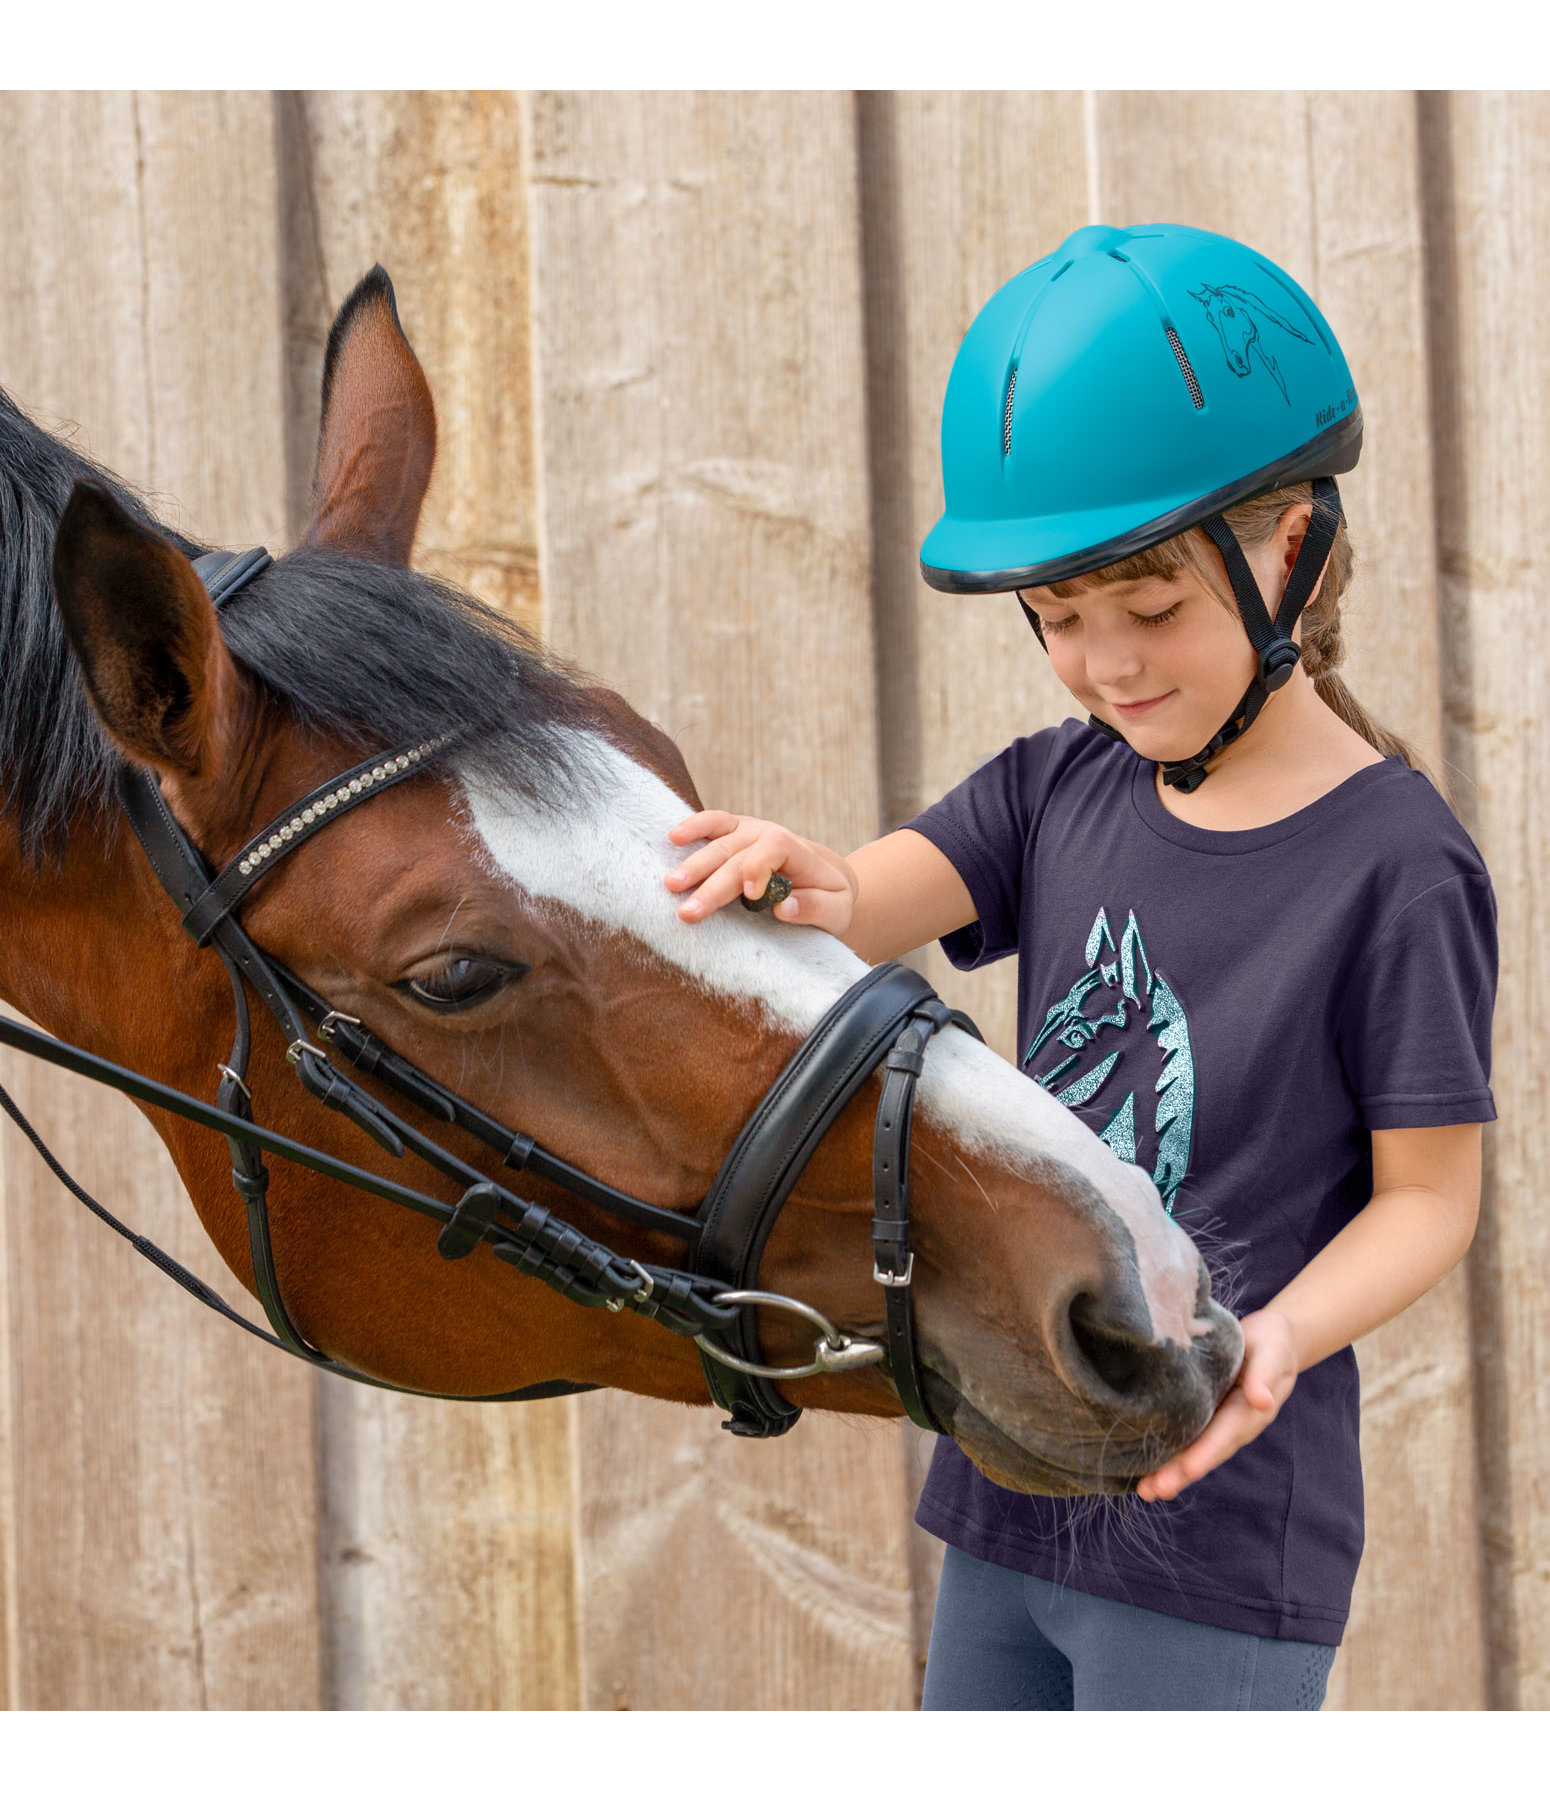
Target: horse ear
<point>378,437</point>
<point>145,634</point>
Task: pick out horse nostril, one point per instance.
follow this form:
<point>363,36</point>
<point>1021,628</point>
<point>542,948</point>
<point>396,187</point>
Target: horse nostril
<point>1110,1346</point>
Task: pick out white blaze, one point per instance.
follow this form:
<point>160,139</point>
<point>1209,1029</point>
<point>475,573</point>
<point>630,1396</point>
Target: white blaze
<point>605,855</point>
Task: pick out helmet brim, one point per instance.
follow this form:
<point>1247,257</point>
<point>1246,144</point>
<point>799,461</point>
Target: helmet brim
<point>957,553</point>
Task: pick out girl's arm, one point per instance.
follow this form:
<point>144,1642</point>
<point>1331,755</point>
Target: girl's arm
<point>885,898</point>
<point>1417,1225</point>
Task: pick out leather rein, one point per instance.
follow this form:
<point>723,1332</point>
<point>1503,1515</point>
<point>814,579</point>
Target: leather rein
<point>885,1020</point>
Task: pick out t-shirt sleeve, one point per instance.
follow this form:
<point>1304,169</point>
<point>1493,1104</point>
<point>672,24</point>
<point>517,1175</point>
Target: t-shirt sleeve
<point>1415,1030</point>
<point>982,828</point>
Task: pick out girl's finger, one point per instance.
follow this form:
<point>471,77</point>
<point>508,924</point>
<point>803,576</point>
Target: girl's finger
<point>720,886</point>
<point>707,859</point>
<point>820,907</point>
<point>1256,1379</point>
<point>770,851</point>
<point>1231,1427</point>
<point>703,824</point>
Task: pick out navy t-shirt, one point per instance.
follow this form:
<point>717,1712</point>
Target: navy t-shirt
<point>1236,1012</point>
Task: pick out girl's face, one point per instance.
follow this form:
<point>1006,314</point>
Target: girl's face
<point>1164,662</point>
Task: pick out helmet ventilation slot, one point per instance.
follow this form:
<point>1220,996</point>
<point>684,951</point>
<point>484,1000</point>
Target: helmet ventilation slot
<point>1184,369</point>
<point>1006,420</point>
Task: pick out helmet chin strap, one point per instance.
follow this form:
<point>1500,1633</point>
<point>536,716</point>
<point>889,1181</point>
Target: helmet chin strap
<point>1278,654</point>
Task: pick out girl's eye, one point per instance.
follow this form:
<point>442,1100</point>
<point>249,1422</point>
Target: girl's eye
<point>1161,618</point>
<point>465,981</point>
<point>1055,624</point>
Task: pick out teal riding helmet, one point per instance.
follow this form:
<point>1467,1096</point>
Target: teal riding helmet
<point>1129,386</point>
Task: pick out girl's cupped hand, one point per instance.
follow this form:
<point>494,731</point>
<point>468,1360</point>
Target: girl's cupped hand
<point>739,858</point>
<point>1268,1375</point>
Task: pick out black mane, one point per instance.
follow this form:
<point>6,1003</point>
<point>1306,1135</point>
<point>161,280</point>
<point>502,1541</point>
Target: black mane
<point>384,657</point>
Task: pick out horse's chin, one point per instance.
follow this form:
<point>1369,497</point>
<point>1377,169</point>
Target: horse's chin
<point>1008,1463</point>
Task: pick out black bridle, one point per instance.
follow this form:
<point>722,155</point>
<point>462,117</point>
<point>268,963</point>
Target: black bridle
<point>885,1020</point>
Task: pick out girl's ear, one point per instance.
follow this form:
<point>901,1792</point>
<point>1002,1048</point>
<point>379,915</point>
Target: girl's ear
<point>378,437</point>
<point>145,634</point>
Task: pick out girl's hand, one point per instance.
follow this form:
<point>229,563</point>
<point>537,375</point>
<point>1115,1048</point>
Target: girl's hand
<point>1268,1375</point>
<point>739,860</point>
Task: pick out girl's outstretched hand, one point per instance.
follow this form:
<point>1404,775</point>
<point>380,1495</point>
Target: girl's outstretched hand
<point>1268,1375</point>
<point>741,856</point>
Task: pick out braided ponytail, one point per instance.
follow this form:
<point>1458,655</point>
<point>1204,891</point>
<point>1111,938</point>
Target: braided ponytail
<point>1323,647</point>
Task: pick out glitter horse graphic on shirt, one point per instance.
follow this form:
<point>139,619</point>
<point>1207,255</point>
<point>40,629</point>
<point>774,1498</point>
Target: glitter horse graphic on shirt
<point>1232,312</point>
<point>1097,1069</point>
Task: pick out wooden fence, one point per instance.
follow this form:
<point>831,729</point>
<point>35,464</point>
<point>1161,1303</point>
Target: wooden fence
<point>689,354</point>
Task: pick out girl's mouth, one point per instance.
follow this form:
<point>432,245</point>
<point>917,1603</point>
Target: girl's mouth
<point>1137,707</point>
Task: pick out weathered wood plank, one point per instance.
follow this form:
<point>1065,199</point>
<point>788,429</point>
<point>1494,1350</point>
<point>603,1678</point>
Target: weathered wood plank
<point>448,1573</point>
<point>1327,185</point>
<point>702,467</point>
<point>447,1528</point>
<point>160,1472</point>
<point>1487,161</point>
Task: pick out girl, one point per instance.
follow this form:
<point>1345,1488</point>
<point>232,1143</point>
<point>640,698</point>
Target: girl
<point>1257,951</point>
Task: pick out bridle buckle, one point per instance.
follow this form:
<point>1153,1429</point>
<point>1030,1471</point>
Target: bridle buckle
<point>888,1278</point>
<point>640,1295</point>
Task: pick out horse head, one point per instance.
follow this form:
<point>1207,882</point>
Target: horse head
<point>501,921</point>
<point>1232,312</point>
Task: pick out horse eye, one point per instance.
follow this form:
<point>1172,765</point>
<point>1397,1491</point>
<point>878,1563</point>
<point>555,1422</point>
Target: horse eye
<point>1228,313</point>
<point>465,981</point>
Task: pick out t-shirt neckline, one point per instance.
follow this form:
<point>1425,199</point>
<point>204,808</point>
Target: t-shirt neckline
<point>1143,788</point>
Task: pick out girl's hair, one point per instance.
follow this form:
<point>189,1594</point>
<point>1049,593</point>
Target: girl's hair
<point>1254,523</point>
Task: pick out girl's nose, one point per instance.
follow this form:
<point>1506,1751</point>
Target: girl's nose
<point>1111,657</point>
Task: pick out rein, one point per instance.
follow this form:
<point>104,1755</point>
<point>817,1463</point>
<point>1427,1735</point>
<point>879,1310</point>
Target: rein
<point>886,1019</point>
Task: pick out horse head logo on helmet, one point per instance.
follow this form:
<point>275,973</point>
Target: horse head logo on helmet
<point>1232,311</point>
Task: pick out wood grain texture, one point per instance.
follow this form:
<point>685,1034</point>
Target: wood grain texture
<point>1487,162</point>
<point>161,1469</point>
<point>1327,184</point>
<point>720,1574</point>
<point>448,1570</point>
<point>703,474</point>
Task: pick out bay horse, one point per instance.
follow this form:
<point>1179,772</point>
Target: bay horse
<point>500,920</point>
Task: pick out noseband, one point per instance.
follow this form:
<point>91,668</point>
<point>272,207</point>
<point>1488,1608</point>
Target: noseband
<point>886,1020</point>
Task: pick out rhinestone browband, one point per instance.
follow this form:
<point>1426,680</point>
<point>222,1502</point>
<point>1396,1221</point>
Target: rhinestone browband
<point>320,805</point>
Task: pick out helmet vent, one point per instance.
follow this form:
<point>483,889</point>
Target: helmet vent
<point>1006,421</point>
<point>1184,369</point>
